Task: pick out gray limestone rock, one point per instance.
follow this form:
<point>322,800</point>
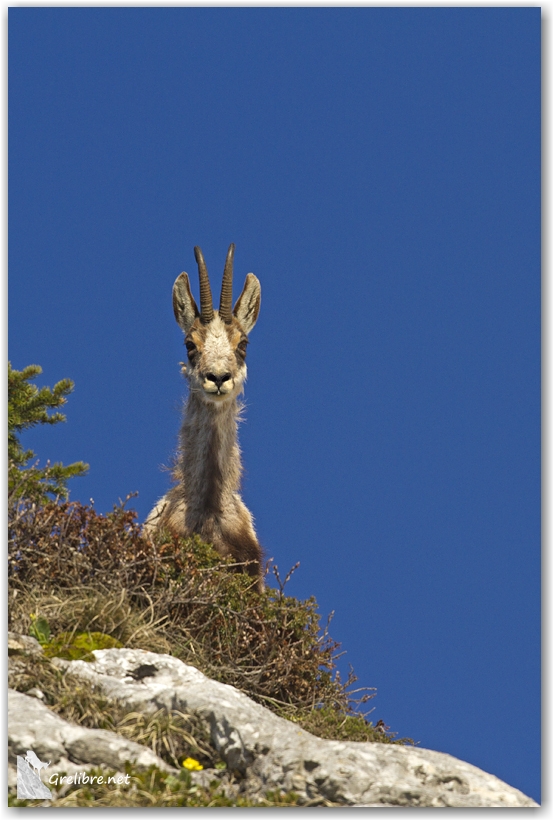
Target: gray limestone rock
<point>23,645</point>
<point>273,753</point>
<point>67,747</point>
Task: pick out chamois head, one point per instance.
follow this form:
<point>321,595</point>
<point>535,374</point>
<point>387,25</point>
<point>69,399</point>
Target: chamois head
<point>216,340</point>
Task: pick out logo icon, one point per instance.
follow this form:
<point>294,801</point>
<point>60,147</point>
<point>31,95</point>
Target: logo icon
<point>29,784</point>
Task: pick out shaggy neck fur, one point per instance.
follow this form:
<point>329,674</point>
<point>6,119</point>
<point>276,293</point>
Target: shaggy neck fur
<point>209,462</point>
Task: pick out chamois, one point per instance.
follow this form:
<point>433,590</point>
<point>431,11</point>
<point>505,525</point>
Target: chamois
<point>206,499</point>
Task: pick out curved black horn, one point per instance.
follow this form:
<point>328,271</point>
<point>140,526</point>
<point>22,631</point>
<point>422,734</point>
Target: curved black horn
<point>225,308</point>
<point>206,300</point>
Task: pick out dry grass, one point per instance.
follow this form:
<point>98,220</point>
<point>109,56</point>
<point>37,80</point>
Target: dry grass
<point>172,735</point>
<point>170,596</point>
<point>155,789</point>
<point>179,597</point>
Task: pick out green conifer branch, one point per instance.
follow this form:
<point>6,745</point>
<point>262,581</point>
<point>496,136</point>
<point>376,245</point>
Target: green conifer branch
<point>28,406</point>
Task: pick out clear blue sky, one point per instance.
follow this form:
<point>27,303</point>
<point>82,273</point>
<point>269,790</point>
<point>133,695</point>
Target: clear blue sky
<point>379,171</point>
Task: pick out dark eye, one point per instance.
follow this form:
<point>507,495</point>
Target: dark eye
<point>242,347</point>
<point>191,348</point>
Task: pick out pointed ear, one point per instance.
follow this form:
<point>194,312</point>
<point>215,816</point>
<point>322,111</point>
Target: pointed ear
<point>184,306</point>
<point>246,308</point>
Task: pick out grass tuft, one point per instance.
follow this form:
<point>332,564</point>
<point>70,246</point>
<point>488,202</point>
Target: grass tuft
<point>155,789</point>
<point>174,596</point>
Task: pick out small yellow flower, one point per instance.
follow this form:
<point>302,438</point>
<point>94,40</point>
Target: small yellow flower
<point>192,764</point>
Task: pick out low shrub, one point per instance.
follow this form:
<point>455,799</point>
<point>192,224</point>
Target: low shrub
<point>174,595</point>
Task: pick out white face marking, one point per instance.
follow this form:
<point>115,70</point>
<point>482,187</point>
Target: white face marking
<point>215,372</point>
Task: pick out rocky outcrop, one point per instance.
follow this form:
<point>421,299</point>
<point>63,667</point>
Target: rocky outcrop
<point>67,748</point>
<point>273,753</point>
<point>267,751</point>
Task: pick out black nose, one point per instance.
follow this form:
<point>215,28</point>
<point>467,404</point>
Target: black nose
<point>218,380</point>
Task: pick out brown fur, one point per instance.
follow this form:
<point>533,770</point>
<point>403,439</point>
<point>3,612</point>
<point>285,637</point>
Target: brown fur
<point>206,497</point>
